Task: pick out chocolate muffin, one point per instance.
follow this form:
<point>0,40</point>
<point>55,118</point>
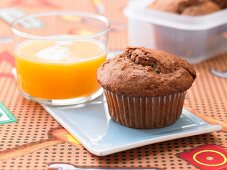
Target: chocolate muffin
<point>145,88</point>
<point>174,6</point>
<point>164,37</point>
<point>186,7</point>
<point>221,3</point>
<point>202,8</point>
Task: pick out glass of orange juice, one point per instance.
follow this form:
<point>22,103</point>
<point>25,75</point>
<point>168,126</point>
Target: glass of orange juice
<point>57,55</point>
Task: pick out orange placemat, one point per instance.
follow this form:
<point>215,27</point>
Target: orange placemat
<point>36,139</point>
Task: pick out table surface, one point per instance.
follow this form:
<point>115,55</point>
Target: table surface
<point>33,132</point>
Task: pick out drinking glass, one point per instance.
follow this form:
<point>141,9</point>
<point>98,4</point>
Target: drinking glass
<point>57,55</point>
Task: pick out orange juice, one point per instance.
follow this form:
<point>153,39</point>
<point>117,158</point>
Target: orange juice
<point>59,70</point>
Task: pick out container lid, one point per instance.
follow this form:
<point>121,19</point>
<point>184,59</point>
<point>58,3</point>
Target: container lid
<point>137,9</point>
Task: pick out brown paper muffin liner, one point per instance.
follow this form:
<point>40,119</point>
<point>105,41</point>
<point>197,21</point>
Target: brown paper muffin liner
<point>145,112</point>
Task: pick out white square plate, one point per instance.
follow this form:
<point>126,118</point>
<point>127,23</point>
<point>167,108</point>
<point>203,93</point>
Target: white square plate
<point>98,133</point>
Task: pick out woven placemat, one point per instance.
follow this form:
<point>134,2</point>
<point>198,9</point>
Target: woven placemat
<point>32,129</point>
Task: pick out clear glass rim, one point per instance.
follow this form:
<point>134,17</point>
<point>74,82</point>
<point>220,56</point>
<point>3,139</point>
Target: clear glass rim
<point>103,19</point>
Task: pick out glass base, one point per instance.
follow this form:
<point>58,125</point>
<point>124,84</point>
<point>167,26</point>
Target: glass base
<point>64,102</point>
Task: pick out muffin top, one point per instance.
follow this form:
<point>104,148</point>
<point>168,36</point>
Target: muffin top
<point>221,3</point>
<point>146,72</point>
<point>203,8</point>
<point>186,7</point>
<point>174,6</point>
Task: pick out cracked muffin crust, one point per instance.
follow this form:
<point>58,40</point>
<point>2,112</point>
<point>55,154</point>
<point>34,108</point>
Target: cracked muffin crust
<point>146,72</point>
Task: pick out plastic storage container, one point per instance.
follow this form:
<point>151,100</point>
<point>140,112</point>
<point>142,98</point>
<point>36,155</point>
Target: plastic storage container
<point>193,38</point>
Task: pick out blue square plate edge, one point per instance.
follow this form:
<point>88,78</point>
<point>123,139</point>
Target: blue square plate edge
<point>91,125</point>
